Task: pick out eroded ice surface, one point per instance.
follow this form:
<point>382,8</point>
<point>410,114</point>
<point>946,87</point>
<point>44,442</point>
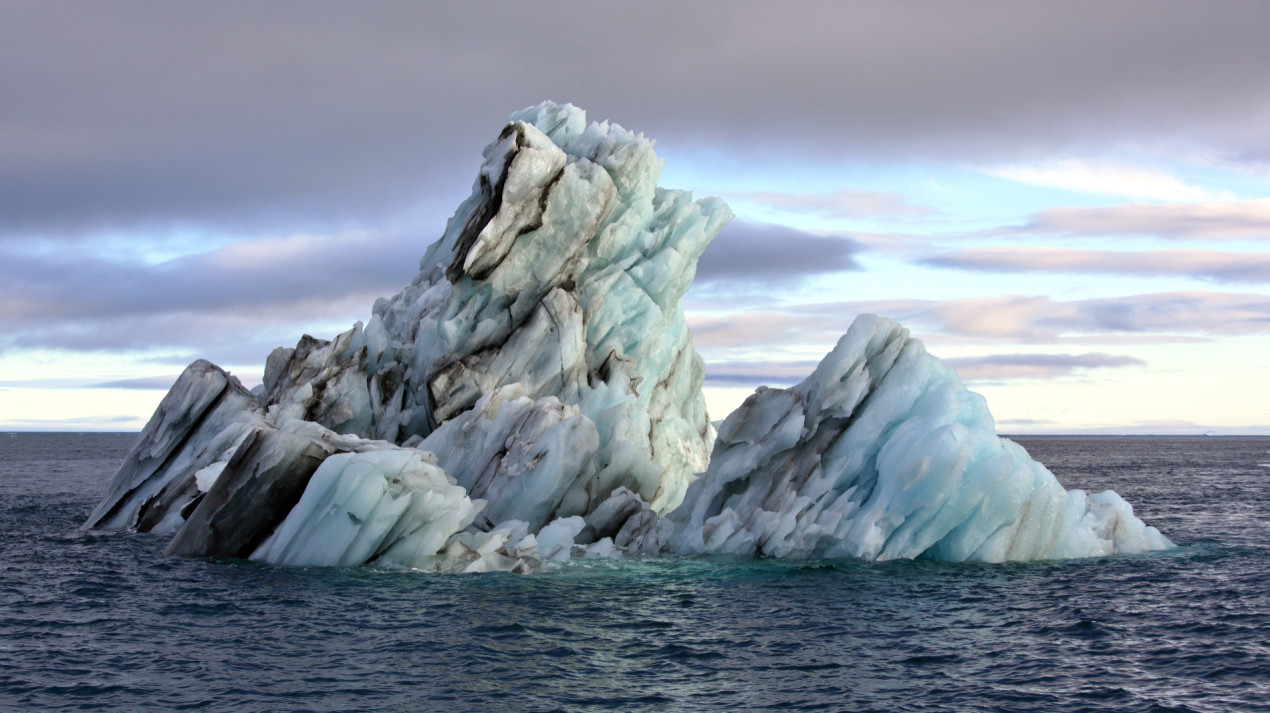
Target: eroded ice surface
<point>534,395</point>
<point>540,363</point>
<point>882,453</point>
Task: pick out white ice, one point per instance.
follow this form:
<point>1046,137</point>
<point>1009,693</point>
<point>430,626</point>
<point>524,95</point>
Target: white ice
<point>880,454</point>
<point>534,394</point>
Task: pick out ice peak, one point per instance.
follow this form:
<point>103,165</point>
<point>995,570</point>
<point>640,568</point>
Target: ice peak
<point>535,389</point>
<point>552,295</point>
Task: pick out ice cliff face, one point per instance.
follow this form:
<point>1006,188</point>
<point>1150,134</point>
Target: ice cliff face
<point>538,367</point>
<point>534,393</point>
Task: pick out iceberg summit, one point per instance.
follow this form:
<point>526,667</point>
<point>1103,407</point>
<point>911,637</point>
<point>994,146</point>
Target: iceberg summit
<point>534,395</point>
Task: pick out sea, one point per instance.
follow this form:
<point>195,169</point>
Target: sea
<point>94,621</point>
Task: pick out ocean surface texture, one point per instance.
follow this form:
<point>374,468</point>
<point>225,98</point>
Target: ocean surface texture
<point>105,621</point>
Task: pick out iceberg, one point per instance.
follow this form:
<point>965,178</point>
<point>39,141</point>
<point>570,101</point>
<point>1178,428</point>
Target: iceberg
<point>534,395</point>
<point>883,454</point>
<point>536,376</point>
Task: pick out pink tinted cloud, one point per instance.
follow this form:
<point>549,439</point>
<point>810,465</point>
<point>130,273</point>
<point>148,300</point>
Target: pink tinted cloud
<point>1043,319</point>
<point>1213,220</point>
<point>1035,366</point>
<point>1217,265</point>
<point>1164,317</point>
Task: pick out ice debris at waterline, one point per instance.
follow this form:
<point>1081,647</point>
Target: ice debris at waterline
<point>534,395</point>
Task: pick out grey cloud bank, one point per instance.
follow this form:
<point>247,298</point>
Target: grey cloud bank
<point>1214,265</point>
<point>234,277</point>
<point>229,302</point>
<point>134,114</point>
<point>756,251</point>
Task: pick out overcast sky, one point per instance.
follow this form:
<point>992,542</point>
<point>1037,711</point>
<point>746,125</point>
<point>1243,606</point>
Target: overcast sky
<point>1070,202</point>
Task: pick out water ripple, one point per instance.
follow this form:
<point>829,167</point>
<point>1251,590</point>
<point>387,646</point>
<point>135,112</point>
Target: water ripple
<point>106,621</point>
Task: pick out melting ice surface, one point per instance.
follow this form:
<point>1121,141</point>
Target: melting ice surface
<point>534,395</point>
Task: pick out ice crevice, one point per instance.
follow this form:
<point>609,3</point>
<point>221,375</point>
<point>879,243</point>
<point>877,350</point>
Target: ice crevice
<point>534,395</point>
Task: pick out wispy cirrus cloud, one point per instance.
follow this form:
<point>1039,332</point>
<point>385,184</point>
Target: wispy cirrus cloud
<point>90,423</point>
<point>975,368</point>
<point>843,203</point>
<point>762,328</point>
<point>1025,422</point>
<point>143,383</point>
<point>1211,220</point>
<point>146,383</point>
<point>1045,320</point>
<point>1035,366</point>
<point>1151,427</point>
<point>1163,317</point>
<point>1215,265</point>
<point>1101,177</point>
<point>754,373</point>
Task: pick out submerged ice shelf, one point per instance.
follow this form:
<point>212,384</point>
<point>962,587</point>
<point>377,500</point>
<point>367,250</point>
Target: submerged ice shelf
<point>534,395</point>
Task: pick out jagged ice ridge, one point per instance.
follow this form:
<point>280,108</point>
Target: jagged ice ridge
<point>534,395</point>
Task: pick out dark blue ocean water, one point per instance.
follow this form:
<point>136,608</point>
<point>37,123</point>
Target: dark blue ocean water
<point>92,621</point>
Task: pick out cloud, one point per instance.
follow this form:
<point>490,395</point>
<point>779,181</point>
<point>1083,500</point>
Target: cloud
<point>1165,317</point>
<point>1023,422</point>
<point>1042,319</point>
<point>1213,265</point>
<point>843,203</point>
<point>144,383</point>
<point>755,373</point>
<point>238,276</point>
<point>1034,366</point>
<point>272,113</point>
<point>1214,220</point>
<point>1144,428</point>
<point>233,301</point>
<point>762,330</point>
<point>89,423</point>
<point>1105,178</point>
<point>774,253</point>
<point>176,339</point>
<point>978,368</point>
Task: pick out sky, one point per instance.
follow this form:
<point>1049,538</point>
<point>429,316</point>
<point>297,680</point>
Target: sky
<point>1067,202</point>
